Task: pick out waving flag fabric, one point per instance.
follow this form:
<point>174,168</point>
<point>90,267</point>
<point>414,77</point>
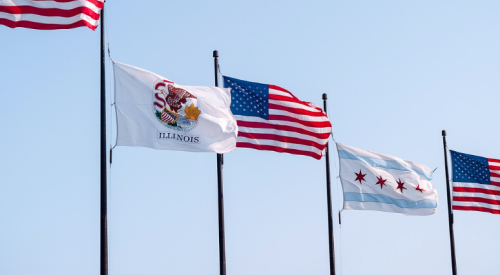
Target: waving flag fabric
<point>154,112</point>
<point>50,15</point>
<point>476,183</point>
<point>373,181</point>
<point>271,118</point>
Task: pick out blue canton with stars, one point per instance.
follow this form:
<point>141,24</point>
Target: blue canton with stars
<point>469,168</point>
<point>248,98</point>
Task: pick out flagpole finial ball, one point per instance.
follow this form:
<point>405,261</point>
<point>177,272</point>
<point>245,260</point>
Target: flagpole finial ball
<point>444,133</point>
<point>216,53</point>
<point>325,97</point>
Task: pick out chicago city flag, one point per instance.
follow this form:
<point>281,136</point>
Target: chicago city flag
<point>373,181</point>
<point>154,112</point>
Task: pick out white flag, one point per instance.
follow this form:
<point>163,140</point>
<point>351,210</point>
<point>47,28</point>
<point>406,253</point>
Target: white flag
<point>373,181</point>
<point>154,112</point>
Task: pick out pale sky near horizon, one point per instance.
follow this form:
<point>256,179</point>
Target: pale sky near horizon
<point>396,74</point>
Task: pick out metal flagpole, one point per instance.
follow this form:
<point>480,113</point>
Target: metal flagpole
<point>450,212</point>
<point>220,163</point>
<point>104,195</point>
<point>329,202</point>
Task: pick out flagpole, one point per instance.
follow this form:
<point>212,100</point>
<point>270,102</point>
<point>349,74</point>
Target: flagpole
<point>329,202</point>
<point>103,151</point>
<point>450,211</point>
<point>220,163</point>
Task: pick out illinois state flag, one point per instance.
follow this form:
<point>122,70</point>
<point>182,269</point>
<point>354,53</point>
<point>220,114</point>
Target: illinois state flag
<point>373,181</point>
<point>154,112</point>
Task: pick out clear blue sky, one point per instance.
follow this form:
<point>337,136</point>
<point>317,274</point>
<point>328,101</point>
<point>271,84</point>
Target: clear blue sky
<point>396,73</point>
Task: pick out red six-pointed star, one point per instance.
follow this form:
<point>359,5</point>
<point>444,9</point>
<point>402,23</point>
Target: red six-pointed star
<point>400,185</point>
<point>360,176</point>
<point>419,189</point>
<point>381,181</point>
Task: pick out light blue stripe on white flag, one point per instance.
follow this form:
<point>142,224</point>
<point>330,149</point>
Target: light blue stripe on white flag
<point>373,181</point>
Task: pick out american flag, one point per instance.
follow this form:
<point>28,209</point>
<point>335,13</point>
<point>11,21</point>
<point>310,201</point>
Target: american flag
<point>476,183</point>
<point>271,118</point>
<point>50,14</point>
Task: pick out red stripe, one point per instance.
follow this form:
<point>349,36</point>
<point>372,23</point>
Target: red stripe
<point>41,26</point>
<point>277,149</point>
<point>288,99</point>
<point>476,190</point>
<point>296,110</point>
<point>494,174</point>
<point>274,87</point>
<point>49,12</point>
<point>308,123</point>
<point>284,98</point>
<point>277,97</point>
<point>282,139</point>
<point>494,160</point>
<point>262,125</point>
<point>477,199</point>
<point>476,208</point>
<point>96,3</point>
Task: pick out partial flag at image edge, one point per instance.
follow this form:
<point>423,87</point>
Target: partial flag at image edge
<point>476,183</point>
<point>50,15</point>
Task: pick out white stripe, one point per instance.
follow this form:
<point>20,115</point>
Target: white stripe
<point>48,19</point>
<point>475,195</point>
<point>281,144</point>
<point>51,4</point>
<point>287,123</point>
<point>494,179</point>
<point>294,105</point>
<point>477,204</point>
<point>364,153</point>
<point>304,118</point>
<point>281,133</point>
<point>476,185</point>
<point>278,92</point>
<point>494,165</point>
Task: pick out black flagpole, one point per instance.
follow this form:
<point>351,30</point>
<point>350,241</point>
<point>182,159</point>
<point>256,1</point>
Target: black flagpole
<point>329,202</point>
<point>220,163</point>
<point>104,195</point>
<point>450,212</point>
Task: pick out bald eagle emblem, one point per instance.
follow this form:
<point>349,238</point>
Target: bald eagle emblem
<point>175,107</point>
